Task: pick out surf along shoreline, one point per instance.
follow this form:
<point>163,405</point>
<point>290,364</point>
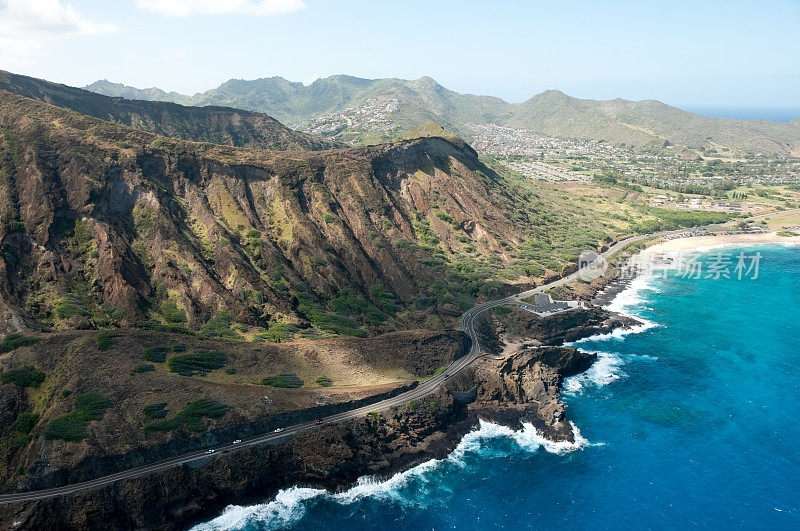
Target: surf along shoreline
<point>453,439</point>
<point>373,449</point>
<point>290,503</point>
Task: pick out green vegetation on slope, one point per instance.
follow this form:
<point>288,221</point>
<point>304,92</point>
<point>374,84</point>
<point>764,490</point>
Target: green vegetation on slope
<point>72,427</point>
<point>190,416</point>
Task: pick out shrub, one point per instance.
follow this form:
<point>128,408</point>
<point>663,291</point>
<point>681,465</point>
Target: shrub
<point>336,323</point>
<point>70,427</point>
<point>93,404</point>
<point>324,381</point>
<point>444,217</point>
<point>14,341</point>
<point>66,310</point>
<point>219,327</point>
<point>156,354</point>
<point>193,413</point>
<point>279,332</point>
<point>26,376</point>
<point>190,416</point>
<point>285,380</point>
<point>200,362</point>
<point>171,312</point>
<point>25,422</point>
<point>329,218</point>
<point>155,411</point>
<point>144,367</point>
<point>105,340</point>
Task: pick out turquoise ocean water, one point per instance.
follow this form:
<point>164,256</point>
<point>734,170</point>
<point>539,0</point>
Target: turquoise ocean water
<point>692,421</point>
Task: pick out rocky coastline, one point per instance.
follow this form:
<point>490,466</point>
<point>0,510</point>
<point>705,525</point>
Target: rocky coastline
<point>521,387</point>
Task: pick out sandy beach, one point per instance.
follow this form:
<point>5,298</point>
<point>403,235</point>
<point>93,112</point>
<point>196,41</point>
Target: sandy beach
<point>700,242</point>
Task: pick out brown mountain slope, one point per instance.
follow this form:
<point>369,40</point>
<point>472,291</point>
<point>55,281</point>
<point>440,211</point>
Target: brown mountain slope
<point>218,125</point>
<point>103,225</point>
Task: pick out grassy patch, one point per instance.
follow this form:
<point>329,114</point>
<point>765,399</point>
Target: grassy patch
<point>285,380</point>
<point>200,362</point>
<point>14,341</point>
<point>26,376</point>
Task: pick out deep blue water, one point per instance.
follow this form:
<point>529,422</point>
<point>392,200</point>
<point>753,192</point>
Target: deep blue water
<point>693,422</point>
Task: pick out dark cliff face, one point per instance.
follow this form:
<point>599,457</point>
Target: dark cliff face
<point>218,125</point>
<point>562,327</point>
<point>109,220</point>
<point>330,457</point>
<point>524,387</point>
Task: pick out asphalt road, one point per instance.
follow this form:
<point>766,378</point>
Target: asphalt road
<point>424,388</point>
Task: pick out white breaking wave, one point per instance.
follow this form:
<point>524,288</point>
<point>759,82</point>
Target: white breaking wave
<point>629,302</point>
<point>291,504</point>
<point>625,303</point>
<point>602,372</point>
<point>632,295</point>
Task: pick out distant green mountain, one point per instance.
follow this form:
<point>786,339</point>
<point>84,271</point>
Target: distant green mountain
<point>118,90</point>
<point>217,125</point>
<point>352,108</point>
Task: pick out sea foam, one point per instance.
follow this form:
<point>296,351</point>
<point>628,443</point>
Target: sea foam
<point>290,505</point>
<point>606,369</point>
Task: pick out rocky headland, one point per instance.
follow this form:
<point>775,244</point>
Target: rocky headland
<point>521,387</point>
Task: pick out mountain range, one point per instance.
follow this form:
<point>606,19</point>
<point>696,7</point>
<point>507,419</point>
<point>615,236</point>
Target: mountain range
<point>365,110</point>
<point>217,125</point>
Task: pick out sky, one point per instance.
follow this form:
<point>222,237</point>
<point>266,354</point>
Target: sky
<point>687,53</point>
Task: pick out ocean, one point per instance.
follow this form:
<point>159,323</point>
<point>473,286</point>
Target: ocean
<point>690,421</point>
<point>772,114</point>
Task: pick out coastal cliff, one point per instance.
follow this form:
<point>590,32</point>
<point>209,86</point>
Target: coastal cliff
<point>522,387</point>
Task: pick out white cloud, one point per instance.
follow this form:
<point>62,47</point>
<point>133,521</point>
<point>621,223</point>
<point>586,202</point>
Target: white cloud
<point>28,26</point>
<point>185,8</point>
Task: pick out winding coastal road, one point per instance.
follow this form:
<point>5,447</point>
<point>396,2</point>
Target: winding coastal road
<point>424,388</point>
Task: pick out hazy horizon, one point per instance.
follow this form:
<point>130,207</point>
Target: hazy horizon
<point>774,113</point>
<point>699,54</point>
